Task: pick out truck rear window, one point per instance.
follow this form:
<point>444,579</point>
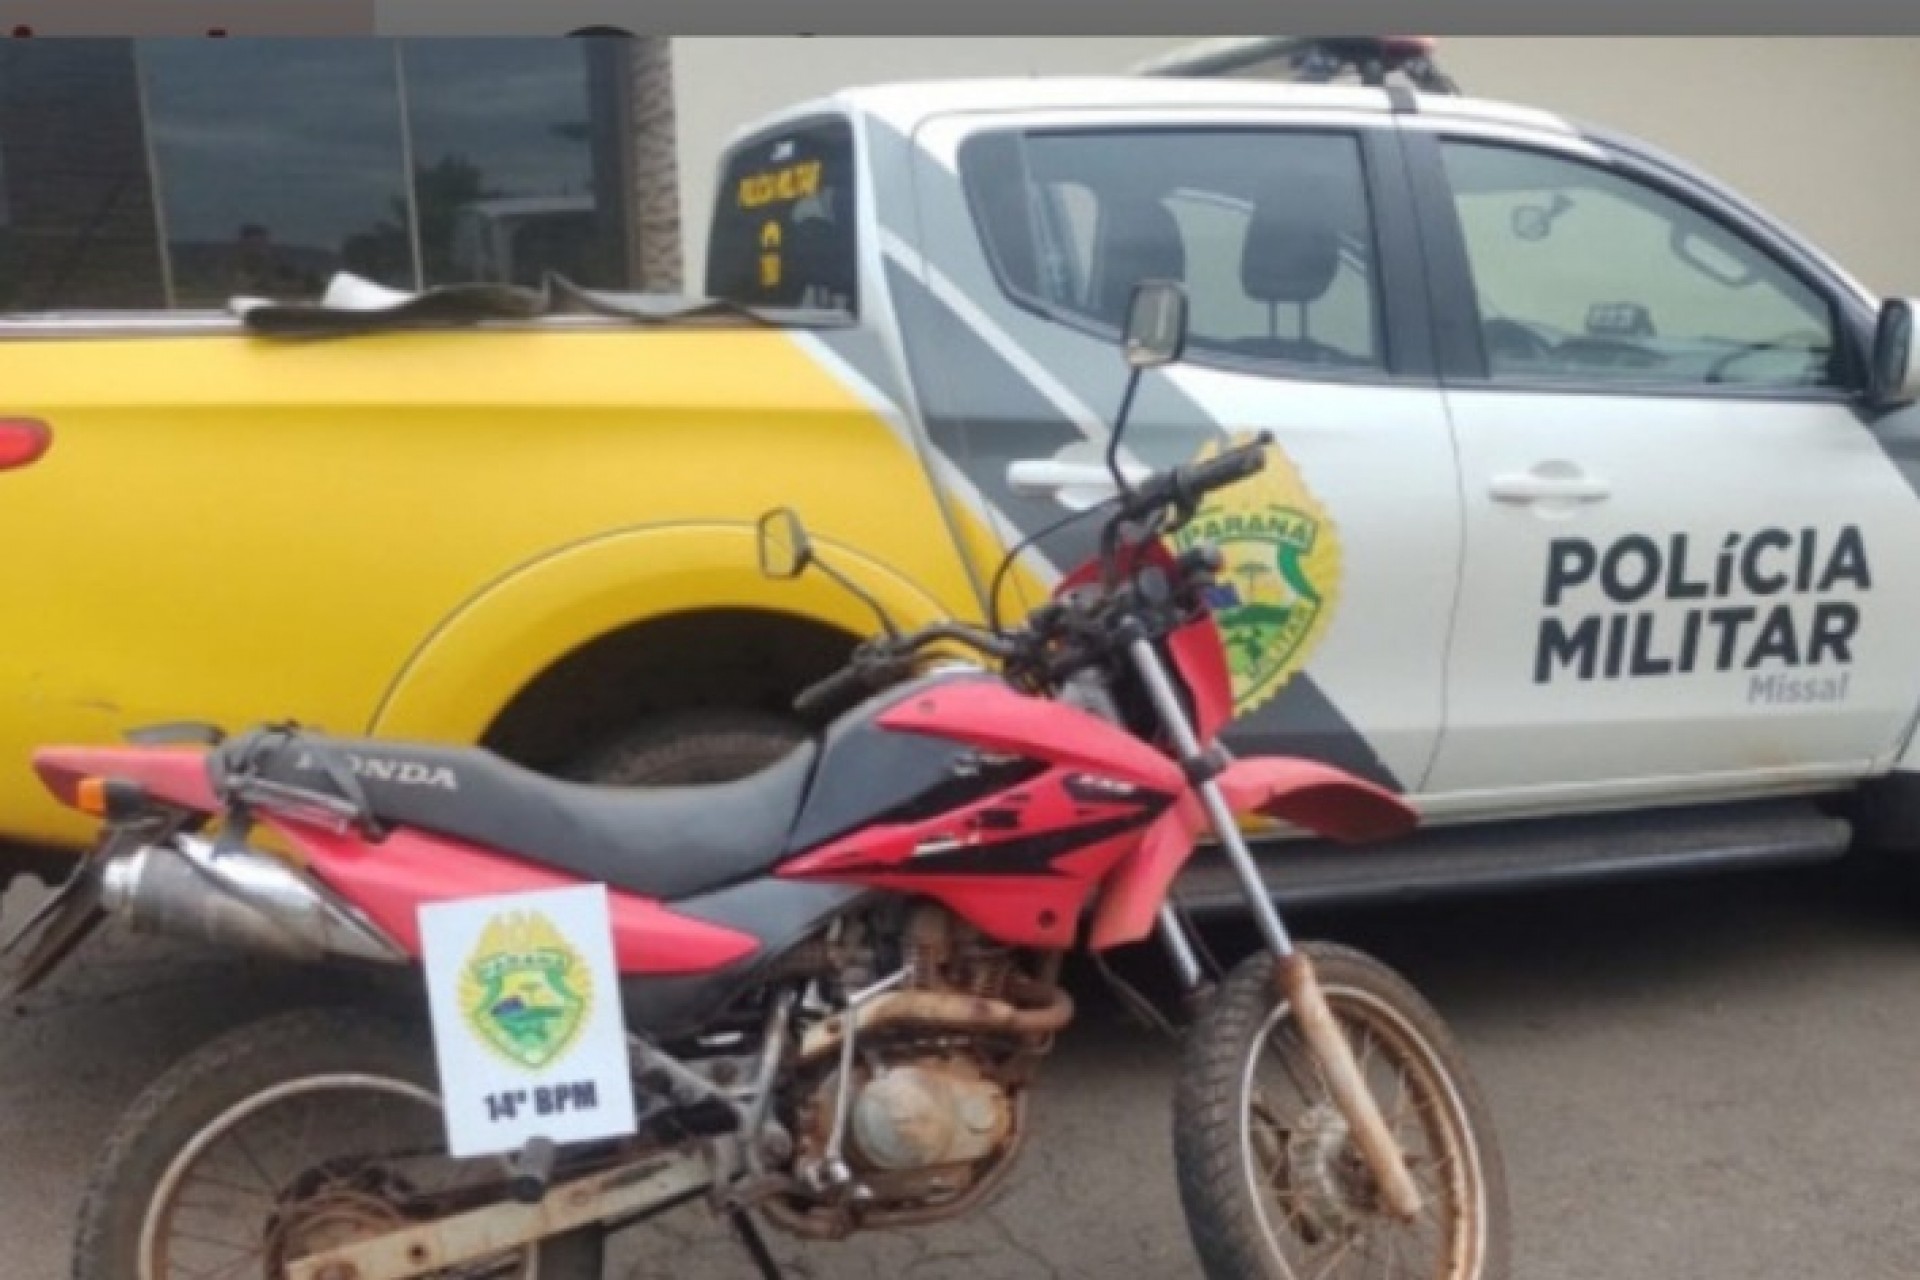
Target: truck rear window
<point>1269,229</point>
<point>783,225</point>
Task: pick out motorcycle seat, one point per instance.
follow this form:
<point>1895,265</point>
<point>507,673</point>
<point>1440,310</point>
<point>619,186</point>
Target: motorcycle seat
<point>659,842</point>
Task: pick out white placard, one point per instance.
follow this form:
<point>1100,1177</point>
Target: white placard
<point>527,1024</point>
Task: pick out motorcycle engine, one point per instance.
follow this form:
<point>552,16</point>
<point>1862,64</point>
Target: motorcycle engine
<point>934,1114</point>
<point>927,1113</point>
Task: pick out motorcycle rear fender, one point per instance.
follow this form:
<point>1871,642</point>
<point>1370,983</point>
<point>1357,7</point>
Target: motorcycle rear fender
<point>392,879</point>
<point>171,775</point>
<point>1323,800</point>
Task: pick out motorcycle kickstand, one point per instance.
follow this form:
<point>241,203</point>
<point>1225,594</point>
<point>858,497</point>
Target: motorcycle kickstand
<point>755,1244</point>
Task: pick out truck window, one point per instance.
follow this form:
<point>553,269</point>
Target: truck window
<point>784,221</point>
<point>1585,275</point>
<point>1269,230</point>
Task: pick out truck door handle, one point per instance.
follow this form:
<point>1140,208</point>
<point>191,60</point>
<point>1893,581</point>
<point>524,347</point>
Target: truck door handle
<point>1075,484</point>
<point>1552,482</point>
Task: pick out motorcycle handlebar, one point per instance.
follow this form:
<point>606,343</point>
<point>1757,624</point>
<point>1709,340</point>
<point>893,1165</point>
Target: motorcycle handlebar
<point>987,642</point>
<point>850,683</point>
<point>1185,485</point>
<point>887,662</point>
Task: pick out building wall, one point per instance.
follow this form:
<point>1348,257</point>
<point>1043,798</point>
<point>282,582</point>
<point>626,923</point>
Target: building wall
<point>1810,129</point>
<point>1813,130</point>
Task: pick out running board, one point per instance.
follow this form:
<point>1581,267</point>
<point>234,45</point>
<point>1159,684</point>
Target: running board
<point>1490,857</point>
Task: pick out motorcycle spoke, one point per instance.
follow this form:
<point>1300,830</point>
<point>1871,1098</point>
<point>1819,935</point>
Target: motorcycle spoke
<point>1339,1255</point>
<point>334,1161</point>
<point>1323,1208</point>
<point>1290,1052</point>
<point>232,1271</point>
<point>1424,1261</point>
<point>1390,1249</point>
<point>1363,1056</point>
<point>1368,1254</point>
<point>1403,1099</point>
<point>217,1242</point>
<point>222,1184</point>
<point>267,1183</point>
<point>304,1133</point>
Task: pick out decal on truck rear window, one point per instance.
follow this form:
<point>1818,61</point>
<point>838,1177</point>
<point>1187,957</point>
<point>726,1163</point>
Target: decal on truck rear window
<point>778,186</point>
<point>784,228</point>
<point>1774,604</point>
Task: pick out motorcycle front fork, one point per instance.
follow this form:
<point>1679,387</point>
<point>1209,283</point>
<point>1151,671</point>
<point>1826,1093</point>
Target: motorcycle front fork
<point>1294,973</point>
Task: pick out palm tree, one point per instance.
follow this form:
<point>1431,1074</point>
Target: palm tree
<point>656,166</point>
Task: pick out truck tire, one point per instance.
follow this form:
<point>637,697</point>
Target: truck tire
<point>203,1102</point>
<point>715,745</point>
<point>1885,862</point>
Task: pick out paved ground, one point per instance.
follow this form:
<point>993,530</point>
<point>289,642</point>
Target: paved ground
<point>1693,1081</point>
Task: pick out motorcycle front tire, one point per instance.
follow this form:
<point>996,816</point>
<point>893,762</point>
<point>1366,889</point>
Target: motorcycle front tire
<point>1271,1186</point>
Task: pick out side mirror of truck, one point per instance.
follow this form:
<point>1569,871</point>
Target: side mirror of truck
<point>785,549</point>
<point>1894,377</point>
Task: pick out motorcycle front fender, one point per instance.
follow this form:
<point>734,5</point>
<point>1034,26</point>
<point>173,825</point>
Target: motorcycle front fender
<point>1319,798</point>
<point>1315,797</point>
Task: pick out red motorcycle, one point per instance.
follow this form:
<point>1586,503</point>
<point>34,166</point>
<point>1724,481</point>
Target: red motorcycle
<point>839,975</point>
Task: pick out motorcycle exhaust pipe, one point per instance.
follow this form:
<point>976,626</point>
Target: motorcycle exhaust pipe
<point>238,898</point>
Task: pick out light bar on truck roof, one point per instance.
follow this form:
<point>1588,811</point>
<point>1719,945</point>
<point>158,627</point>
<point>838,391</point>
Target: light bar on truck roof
<point>1309,59</point>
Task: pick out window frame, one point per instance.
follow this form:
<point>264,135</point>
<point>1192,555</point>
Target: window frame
<point>1403,320</point>
<point>1455,291</point>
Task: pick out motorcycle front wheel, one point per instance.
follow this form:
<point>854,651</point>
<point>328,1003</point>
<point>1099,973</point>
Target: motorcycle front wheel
<point>302,1132</point>
<point>1273,1187</point>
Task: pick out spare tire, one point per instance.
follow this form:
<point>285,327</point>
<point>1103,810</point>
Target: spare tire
<point>709,745</point>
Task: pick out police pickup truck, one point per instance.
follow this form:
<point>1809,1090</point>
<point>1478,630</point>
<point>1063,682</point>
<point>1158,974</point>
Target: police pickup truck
<point>1590,521</point>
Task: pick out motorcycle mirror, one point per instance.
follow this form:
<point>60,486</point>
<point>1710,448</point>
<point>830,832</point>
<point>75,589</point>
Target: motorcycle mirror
<point>1156,331</point>
<point>786,552</point>
<point>1156,335</point>
<point>785,549</point>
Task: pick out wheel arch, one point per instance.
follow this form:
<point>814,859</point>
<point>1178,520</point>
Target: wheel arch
<point>731,657</point>
<point>660,618</point>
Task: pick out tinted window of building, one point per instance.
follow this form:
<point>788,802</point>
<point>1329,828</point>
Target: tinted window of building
<point>279,163</point>
<point>513,172</point>
<point>77,223</point>
<point>155,173</point>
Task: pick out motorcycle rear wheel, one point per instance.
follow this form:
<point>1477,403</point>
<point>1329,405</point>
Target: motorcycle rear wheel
<point>199,1177</point>
<point>1272,1186</point>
